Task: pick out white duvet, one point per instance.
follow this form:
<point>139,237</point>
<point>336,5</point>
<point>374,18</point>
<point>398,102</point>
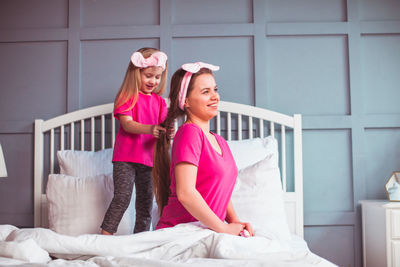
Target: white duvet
<point>183,245</point>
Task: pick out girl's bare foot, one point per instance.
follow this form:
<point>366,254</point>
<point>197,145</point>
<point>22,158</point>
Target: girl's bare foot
<point>104,232</point>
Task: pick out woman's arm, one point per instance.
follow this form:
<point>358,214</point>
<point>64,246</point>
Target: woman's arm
<point>194,203</point>
<point>131,126</point>
<point>231,217</point>
<point>230,213</point>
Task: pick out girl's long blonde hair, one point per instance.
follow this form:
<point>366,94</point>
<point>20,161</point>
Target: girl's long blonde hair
<point>162,160</point>
<point>132,81</point>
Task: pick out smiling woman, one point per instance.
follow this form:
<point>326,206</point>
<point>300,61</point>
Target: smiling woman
<point>196,184</point>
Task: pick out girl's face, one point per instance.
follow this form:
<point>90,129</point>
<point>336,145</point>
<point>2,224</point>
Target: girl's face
<point>151,78</point>
<point>203,100</point>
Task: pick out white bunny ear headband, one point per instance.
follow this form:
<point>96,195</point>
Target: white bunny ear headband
<point>190,69</point>
<point>158,59</point>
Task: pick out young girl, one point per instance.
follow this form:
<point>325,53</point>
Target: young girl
<point>197,184</point>
<point>140,109</point>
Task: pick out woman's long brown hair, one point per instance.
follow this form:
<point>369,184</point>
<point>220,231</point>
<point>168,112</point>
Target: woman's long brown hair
<point>162,160</point>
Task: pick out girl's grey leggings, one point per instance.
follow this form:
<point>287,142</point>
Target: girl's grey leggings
<point>125,175</point>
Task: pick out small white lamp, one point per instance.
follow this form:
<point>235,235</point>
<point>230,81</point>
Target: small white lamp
<point>3,170</point>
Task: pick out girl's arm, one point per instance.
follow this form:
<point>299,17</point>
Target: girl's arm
<point>194,203</point>
<point>231,217</point>
<point>131,126</point>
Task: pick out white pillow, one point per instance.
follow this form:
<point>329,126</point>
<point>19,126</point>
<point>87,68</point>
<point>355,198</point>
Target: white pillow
<point>77,205</point>
<point>85,163</point>
<point>250,151</point>
<point>258,198</point>
<point>5,231</point>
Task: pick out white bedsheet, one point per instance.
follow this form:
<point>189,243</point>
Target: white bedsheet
<point>183,245</point>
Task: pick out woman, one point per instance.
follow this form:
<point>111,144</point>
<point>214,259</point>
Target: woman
<point>197,183</point>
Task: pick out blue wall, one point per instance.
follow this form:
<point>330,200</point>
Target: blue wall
<point>336,62</point>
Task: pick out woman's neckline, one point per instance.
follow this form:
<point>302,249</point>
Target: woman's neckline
<point>209,142</point>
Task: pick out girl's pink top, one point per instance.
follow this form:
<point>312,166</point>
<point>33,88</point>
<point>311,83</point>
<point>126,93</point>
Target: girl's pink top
<point>139,148</point>
<point>216,174</point>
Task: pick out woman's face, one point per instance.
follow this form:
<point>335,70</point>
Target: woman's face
<point>203,100</point>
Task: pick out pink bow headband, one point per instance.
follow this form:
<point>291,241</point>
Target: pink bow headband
<point>190,69</point>
<point>158,59</point>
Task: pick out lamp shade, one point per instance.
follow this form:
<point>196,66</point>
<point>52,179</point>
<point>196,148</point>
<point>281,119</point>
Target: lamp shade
<point>3,170</point>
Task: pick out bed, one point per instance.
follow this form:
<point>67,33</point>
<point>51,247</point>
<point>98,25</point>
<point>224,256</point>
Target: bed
<point>73,186</point>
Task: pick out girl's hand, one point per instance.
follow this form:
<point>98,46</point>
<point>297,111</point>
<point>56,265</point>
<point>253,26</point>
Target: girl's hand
<point>171,132</point>
<point>232,228</point>
<point>156,129</point>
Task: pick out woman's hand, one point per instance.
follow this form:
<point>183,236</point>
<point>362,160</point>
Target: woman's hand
<point>232,228</point>
<point>156,129</point>
<point>248,227</point>
<point>231,217</point>
<point>245,226</point>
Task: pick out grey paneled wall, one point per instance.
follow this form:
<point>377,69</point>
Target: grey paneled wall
<point>336,62</point>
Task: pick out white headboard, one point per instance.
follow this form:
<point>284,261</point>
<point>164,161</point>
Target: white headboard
<point>94,129</point>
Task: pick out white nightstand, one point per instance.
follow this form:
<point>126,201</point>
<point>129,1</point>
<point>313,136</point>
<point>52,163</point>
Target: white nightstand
<point>380,233</point>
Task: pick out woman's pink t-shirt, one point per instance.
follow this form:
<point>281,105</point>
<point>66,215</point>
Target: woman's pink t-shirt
<point>139,148</point>
<point>216,174</point>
